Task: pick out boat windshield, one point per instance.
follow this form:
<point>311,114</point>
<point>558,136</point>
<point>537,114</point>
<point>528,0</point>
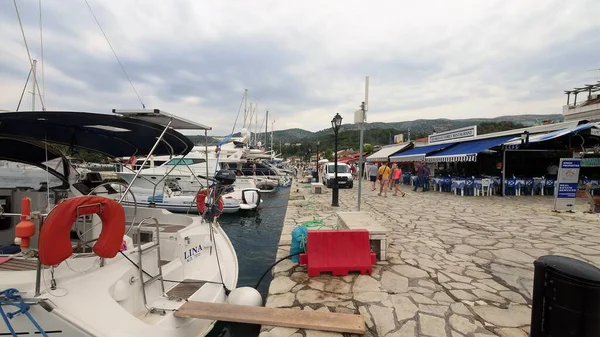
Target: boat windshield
<point>184,161</point>
<point>342,168</point>
<point>23,175</point>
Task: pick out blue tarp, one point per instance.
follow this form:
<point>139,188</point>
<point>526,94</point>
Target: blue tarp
<point>418,153</point>
<point>467,151</point>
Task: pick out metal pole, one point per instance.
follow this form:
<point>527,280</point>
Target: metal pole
<point>145,160</point>
<point>360,149</point>
<point>317,166</point>
<point>334,195</point>
<point>206,155</point>
<point>33,86</point>
<point>503,171</point>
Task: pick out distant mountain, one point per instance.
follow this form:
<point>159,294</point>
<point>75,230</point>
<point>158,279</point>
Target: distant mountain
<point>419,126</point>
<point>380,132</point>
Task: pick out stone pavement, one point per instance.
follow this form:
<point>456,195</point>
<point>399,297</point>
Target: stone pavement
<point>456,266</point>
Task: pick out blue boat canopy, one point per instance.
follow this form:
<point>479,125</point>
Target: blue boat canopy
<point>418,153</point>
<point>467,151</point>
<point>111,134</point>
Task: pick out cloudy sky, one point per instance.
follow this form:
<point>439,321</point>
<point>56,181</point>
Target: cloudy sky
<point>305,60</point>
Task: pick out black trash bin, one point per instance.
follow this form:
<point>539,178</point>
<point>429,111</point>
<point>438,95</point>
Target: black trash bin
<point>566,298</point>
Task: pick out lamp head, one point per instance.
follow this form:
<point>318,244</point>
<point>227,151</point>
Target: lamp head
<point>336,122</point>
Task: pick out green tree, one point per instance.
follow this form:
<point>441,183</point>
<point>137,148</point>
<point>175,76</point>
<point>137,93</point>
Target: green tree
<point>329,154</point>
<point>368,148</point>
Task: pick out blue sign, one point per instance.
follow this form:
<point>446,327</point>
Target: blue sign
<point>566,190</point>
<point>570,164</point>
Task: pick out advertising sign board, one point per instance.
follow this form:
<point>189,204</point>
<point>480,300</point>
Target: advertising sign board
<point>567,181</point>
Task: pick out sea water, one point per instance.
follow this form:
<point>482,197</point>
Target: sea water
<point>255,236</point>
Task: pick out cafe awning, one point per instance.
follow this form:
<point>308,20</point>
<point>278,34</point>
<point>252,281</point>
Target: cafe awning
<point>383,154</point>
<point>467,151</point>
<point>517,142</point>
<point>418,153</point>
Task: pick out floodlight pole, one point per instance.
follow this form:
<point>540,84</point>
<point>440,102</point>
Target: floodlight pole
<point>363,107</point>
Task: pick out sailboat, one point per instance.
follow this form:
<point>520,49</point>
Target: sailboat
<point>92,266</point>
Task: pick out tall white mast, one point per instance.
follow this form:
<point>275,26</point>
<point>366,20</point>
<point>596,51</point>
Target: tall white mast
<point>33,85</point>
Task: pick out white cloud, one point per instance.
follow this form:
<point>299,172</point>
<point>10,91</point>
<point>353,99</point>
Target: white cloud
<point>305,61</point>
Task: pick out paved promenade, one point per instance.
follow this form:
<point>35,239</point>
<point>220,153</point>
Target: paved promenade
<point>456,266</point>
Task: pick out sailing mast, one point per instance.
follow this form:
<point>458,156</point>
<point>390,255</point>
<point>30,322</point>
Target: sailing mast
<point>266,131</point>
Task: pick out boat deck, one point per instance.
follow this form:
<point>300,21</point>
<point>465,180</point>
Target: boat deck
<point>17,264</point>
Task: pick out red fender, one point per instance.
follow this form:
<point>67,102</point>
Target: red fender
<point>201,201</point>
<point>54,245</point>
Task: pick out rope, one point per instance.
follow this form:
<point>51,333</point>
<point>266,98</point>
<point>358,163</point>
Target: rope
<point>13,298</point>
<point>42,93</point>
<point>114,53</point>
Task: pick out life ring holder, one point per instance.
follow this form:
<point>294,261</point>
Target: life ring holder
<point>127,227</point>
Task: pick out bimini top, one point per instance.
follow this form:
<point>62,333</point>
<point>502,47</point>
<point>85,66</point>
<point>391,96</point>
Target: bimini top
<point>111,134</point>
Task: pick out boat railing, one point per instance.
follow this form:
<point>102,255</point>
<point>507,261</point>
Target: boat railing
<point>141,251</point>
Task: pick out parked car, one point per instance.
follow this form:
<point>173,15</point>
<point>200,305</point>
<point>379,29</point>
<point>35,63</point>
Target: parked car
<point>343,172</point>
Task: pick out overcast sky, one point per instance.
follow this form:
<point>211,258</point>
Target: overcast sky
<point>305,60</point>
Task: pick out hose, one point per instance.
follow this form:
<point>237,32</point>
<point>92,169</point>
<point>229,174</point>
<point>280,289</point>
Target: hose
<point>271,267</point>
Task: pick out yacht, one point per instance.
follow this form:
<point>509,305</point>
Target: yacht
<point>92,266</point>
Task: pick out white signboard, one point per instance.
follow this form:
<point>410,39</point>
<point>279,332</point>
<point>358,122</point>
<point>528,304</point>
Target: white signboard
<point>567,181</point>
<point>462,133</point>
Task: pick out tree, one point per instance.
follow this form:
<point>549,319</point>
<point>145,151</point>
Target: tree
<point>367,148</point>
<point>328,154</point>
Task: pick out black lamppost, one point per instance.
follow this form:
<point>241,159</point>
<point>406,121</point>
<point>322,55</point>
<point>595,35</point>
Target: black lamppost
<point>336,122</point>
<point>318,142</point>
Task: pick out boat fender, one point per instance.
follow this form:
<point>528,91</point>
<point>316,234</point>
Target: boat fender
<point>26,228</point>
<point>245,296</point>
<point>251,191</point>
<point>54,244</point>
<point>201,201</point>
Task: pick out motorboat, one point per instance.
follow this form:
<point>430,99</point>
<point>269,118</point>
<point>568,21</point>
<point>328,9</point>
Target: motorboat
<point>92,266</point>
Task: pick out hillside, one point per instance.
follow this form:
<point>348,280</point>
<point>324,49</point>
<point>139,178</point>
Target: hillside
<point>301,142</point>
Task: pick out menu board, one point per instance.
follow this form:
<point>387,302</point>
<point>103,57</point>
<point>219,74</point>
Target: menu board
<point>565,190</point>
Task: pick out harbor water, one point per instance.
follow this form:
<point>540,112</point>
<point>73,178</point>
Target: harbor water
<point>255,236</point>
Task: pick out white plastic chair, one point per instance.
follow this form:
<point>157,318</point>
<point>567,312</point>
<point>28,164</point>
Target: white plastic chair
<point>485,187</point>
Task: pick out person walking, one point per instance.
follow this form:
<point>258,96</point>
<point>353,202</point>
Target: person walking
<point>419,171</point>
<point>426,173</point>
<point>384,177</point>
<point>397,175</point>
<point>372,171</point>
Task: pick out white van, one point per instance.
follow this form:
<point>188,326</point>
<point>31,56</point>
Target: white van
<point>327,173</point>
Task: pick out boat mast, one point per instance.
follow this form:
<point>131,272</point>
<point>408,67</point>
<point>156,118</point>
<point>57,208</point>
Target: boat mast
<point>266,131</point>
<point>33,66</point>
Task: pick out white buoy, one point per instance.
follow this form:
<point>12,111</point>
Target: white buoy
<point>245,296</point>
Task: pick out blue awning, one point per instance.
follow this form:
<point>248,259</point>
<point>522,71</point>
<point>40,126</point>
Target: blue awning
<point>418,153</point>
<point>516,142</point>
<point>467,151</point>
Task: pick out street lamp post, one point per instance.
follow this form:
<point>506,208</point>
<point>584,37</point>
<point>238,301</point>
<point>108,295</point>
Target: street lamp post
<point>336,122</point>
<point>318,142</point>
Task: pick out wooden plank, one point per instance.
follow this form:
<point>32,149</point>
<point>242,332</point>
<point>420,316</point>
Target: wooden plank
<point>313,320</point>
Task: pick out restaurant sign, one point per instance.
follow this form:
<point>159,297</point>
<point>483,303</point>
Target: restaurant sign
<point>590,162</point>
<point>566,184</point>
<point>462,133</point>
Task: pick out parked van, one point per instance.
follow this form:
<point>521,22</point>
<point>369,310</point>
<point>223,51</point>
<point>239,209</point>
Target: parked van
<point>328,174</point>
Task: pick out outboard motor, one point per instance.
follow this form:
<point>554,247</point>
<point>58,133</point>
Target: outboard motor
<point>224,179</point>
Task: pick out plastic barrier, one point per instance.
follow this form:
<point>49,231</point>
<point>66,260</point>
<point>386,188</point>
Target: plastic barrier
<point>338,252</point>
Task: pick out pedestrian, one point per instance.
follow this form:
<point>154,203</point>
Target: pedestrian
<point>397,175</point>
<point>383,174</point>
<point>426,173</point>
<point>373,175</point>
<point>419,172</point>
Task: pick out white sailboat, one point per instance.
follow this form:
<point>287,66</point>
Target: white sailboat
<point>98,268</point>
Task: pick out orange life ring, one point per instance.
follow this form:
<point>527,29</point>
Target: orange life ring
<point>54,244</point>
<point>201,201</point>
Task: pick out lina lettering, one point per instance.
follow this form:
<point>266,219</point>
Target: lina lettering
<point>192,253</point>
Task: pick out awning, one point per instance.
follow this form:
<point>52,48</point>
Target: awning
<point>418,153</point>
<point>516,142</point>
<point>385,152</point>
<point>467,151</point>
